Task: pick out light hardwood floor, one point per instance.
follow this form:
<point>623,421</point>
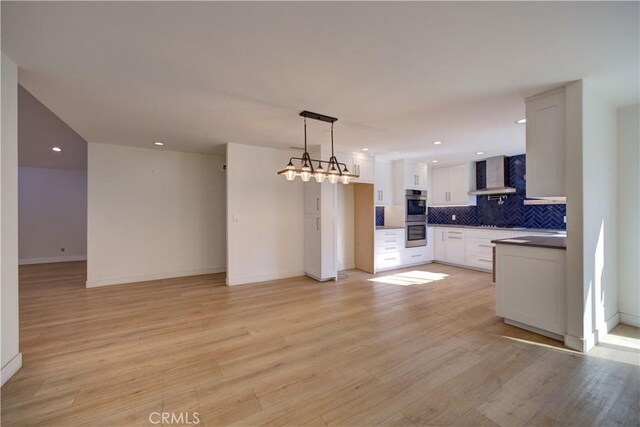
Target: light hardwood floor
<point>298,352</point>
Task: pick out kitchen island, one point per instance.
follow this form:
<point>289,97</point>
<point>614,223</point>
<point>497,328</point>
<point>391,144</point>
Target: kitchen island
<point>531,283</point>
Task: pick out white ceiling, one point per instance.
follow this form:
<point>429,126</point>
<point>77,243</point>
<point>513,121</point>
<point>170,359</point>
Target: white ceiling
<point>397,75</point>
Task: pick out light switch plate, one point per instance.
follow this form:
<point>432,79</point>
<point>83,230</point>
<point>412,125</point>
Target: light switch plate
<point>453,217</point>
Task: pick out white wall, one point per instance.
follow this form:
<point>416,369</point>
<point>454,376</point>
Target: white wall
<point>629,214</point>
<point>265,216</point>
<point>153,214</point>
<point>600,220</point>
<point>345,225</point>
<point>52,211</point>
<point>9,343</point>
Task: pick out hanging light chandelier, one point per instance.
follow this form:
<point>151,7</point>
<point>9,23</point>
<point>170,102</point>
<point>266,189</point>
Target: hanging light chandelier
<point>334,172</point>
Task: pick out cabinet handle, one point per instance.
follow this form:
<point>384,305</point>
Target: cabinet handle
<point>416,256</point>
<point>485,246</point>
<point>455,232</point>
<point>389,259</point>
<point>317,203</point>
<point>390,241</point>
<point>389,234</point>
<point>317,223</point>
<point>381,195</point>
<point>390,247</point>
<point>454,237</point>
<point>485,260</point>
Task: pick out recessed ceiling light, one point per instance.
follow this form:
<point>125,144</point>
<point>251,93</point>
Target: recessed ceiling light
<point>57,149</point>
<point>158,143</point>
<point>434,161</point>
<point>365,149</point>
<point>437,142</point>
<point>521,121</point>
<point>480,152</point>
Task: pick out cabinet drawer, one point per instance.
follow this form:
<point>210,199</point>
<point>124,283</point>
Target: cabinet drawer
<point>484,262</point>
<point>390,260</point>
<point>410,256</point>
<point>389,248</point>
<point>479,246</point>
<point>390,240</point>
<point>395,232</point>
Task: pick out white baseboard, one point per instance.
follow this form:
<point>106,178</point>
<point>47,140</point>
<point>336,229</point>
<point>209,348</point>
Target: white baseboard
<point>48,260</point>
<point>613,321</point>
<point>630,319</point>
<point>580,344</point>
<point>146,277</point>
<point>10,368</point>
<point>263,277</point>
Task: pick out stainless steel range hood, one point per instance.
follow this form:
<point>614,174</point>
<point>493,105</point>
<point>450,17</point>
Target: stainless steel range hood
<point>497,177</point>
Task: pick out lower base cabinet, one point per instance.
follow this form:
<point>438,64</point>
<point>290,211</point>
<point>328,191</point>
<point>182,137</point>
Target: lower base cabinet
<point>531,288</point>
<point>391,253</point>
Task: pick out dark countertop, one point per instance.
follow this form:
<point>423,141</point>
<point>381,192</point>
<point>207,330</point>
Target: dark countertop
<point>388,227</point>
<point>550,242</point>
<point>479,227</point>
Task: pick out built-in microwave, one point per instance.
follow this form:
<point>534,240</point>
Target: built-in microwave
<point>416,234</point>
<point>416,206</point>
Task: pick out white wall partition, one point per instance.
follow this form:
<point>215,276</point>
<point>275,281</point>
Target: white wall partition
<point>265,213</point>
<point>629,214</point>
<point>153,214</point>
<point>10,355</point>
<point>52,206</point>
<point>346,230</point>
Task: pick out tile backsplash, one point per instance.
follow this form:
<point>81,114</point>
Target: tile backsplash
<point>513,212</point>
<point>379,216</point>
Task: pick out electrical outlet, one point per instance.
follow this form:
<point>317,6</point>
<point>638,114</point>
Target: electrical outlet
<point>62,249</point>
<point>564,218</point>
<point>453,217</point>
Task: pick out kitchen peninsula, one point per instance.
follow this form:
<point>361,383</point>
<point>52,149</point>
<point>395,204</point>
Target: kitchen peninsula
<point>531,283</point>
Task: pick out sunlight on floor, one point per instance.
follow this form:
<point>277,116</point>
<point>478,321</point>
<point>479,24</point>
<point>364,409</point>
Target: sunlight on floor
<point>621,345</point>
<point>410,278</point>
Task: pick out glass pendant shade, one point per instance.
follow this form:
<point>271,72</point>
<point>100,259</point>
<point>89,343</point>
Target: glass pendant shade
<point>290,173</point>
<point>345,179</point>
<point>320,175</point>
<point>305,173</point>
<point>333,175</point>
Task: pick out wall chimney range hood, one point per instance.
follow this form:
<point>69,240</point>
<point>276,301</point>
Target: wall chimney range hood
<point>497,178</point>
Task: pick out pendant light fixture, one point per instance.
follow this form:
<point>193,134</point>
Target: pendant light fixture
<point>334,172</point>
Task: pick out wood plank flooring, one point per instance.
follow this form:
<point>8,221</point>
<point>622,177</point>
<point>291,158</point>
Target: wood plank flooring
<point>427,350</point>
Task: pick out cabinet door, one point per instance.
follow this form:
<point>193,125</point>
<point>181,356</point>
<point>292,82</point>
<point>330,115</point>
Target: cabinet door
<point>312,246</point>
<point>458,185</point>
<point>383,183</point>
<point>312,197</point>
<point>439,243</point>
<point>430,243</point>
<point>545,136</point>
<point>411,176</point>
<point>455,245</point>
<point>365,167</point>
<point>440,186</point>
<point>423,179</point>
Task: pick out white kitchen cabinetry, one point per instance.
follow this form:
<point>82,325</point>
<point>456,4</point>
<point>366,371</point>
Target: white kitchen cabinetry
<point>546,146</point>
<point>390,250</point>
<point>531,287</point>
<point>454,249</point>
<point>320,233</point>
<point>472,247</point>
<point>384,183</point>
<point>364,166</point>
<point>450,185</point>
<point>408,175</point>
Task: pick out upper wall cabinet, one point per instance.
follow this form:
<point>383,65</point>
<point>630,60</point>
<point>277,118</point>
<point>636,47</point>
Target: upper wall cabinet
<point>360,164</point>
<point>364,166</point>
<point>408,175</point>
<point>546,145</point>
<point>450,186</point>
<point>384,183</point>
